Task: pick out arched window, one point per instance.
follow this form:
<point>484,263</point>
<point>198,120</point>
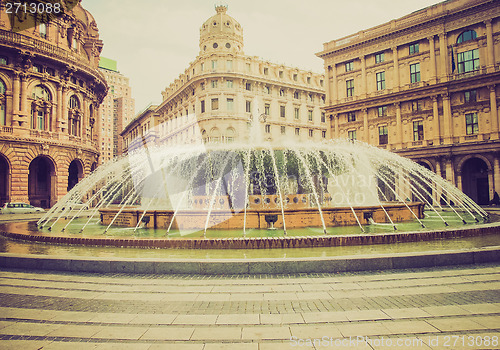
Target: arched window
<point>3,88</point>
<point>40,92</point>
<point>41,108</point>
<point>215,135</point>
<point>204,136</point>
<point>230,133</point>
<point>73,102</point>
<point>466,36</point>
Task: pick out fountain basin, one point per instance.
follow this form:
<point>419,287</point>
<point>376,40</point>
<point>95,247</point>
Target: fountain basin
<point>256,217</point>
<point>28,231</point>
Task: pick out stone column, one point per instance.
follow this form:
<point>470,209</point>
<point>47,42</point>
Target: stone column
<point>16,95</point>
<point>399,126</point>
<point>450,171</point>
<point>435,121</point>
<point>64,110</point>
<point>24,95</point>
<point>336,125</point>
<point>490,47</point>
<point>366,131</point>
<point>493,112</point>
<point>443,54</point>
<point>491,185</point>
<point>496,174</point>
<point>437,189</point>
<point>459,180</point>
<point>59,108</point>
<point>448,123</point>
<point>83,119</point>
<point>432,55</point>
<point>396,86</point>
<point>364,90</point>
<point>332,84</point>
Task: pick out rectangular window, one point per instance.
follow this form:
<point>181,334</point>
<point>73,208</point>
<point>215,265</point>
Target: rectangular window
<point>267,90</point>
<point>229,84</point>
<point>382,111</point>
<point>380,81</point>
<point>202,67</point>
<point>417,105</point>
<point>311,132</point>
<point>281,74</point>
<point>309,80</point>
<point>268,129</point>
<point>283,130</point>
<point>468,61</point>
<point>214,84</point>
<point>297,113</point>
<point>202,85</point>
<point>351,135</point>
<point>349,66</point>
<point>383,135</point>
<point>323,117</point>
<point>379,58</point>
<point>349,85</point>
<point>267,109</point>
<point>471,124</point>
<point>310,115</point>
<point>229,65</point>
<point>323,134</point>
<point>415,73</point>
<point>214,65</point>
<point>202,106</point>
<point>351,116</point>
<point>297,131</point>
<point>248,86</point>
<point>41,120</point>
<point>266,71</point>
<point>414,48</point>
<point>418,130</point>
<point>248,107</point>
<point>295,77</point>
<point>230,104</point>
<point>470,96</point>
<point>282,111</point>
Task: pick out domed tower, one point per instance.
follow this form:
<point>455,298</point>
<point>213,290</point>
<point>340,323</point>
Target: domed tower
<point>221,32</point>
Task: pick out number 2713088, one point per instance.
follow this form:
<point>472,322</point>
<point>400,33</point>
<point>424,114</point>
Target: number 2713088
<point>33,8</point>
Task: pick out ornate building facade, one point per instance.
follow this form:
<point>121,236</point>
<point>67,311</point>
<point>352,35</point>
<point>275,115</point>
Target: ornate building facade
<point>50,93</point>
<point>426,87</point>
<point>213,99</point>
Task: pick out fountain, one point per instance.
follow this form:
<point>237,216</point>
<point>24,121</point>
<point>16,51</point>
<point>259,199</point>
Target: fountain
<point>184,193</point>
<point>337,200</point>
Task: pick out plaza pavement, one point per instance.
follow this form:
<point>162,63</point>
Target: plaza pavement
<point>440,308</point>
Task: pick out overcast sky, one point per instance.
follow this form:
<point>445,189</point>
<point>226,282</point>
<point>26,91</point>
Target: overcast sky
<point>153,41</point>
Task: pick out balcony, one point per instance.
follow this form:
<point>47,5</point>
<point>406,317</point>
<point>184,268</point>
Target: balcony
<point>5,130</point>
<point>20,41</point>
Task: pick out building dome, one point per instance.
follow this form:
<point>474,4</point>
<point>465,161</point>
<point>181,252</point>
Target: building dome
<point>221,32</point>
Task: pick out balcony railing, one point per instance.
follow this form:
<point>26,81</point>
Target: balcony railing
<point>6,129</point>
<point>22,41</point>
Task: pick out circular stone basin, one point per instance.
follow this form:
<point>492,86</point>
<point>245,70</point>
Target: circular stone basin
<point>263,239</point>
